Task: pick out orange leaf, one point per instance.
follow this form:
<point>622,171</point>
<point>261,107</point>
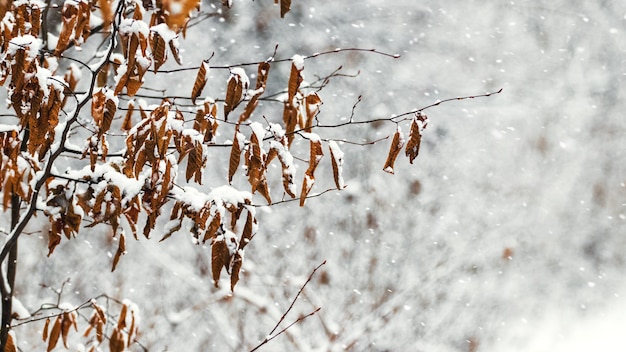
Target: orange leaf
<point>396,145</point>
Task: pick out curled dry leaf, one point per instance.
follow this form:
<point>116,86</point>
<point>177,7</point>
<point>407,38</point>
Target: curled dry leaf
<point>418,125</point>
<point>336,157</point>
<point>396,145</point>
<point>316,155</point>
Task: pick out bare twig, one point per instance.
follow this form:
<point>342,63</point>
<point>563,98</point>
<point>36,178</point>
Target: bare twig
<point>270,337</point>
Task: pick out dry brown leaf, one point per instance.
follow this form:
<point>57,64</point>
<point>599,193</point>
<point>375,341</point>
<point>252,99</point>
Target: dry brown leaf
<point>237,260</point>
<point>55,334</point>
<point>69,18</point>
<point>121,320</point>
<point>127,124</point>
<point>396,145</point>
<point>107,13</point>
<point>10,345</point>
<point>82,30</point>
<point>235,156</point>
<point>66,324</point>
<point>336,157</point>
<point>295,79</point>
<point>285,6</point>
<point>312,104</point>
<point>46,326</point>
<point>220,257</point>
<point>178,12</point>
<point>234,93</point>
<point>54,239</point>
<point>158,51</point>
<point>316,155</point>
<point>307,185</point>
<point>248,229</point>
<point>200,82</point>
<point>418,125</point>
<point>121,250</point>
<point>214,227</point>
<point>116,341</point>
<point>175,52</point>
<point>98,100</point>
<point>110,107</point>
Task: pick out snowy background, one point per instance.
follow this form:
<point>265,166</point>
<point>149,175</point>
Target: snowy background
<point>507,234</point>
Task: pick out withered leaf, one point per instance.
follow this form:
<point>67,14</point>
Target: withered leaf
<point>285,6</point>
<point>175,51</point>
<point>55,334</point>
<point>220,257</point>
<point>336,157</point>
<point>121,250</point>
<point>236,84</point>
<point>200,82</point>
<point>312,104</point>
<point>248,229</point>
<point>46,326</point>
<point>316,155</point>
<point>69,18</point>
<point>418,124</point>
<point>396,145</point>
<point>237,261</point>
<point>127,124</point>
<point>66,324</point>
<point>235,155</point>
<point>116,341</point>
<point>158,51</point>
<point>10,345</point>
<point>295,79</point>
<point>54,239</point>
<point>214,226</point>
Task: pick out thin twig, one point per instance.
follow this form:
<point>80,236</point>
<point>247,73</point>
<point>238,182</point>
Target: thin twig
<point>270,336</point>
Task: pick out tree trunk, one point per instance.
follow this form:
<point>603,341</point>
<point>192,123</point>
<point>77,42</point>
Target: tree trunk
<point>11,269</point>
